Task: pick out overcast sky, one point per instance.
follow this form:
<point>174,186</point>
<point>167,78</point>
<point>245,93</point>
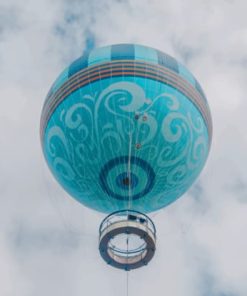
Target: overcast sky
<point>48,242</point>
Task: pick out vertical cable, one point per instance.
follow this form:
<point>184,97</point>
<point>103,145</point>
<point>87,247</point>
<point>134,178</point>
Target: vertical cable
<point>129,168</point>
<point>127,275</point>
<point>127,283</point>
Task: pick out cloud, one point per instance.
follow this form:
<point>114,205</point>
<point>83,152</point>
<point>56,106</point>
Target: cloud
<point>49,242</point>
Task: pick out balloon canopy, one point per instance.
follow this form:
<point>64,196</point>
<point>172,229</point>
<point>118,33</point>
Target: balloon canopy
<point>126,127</point>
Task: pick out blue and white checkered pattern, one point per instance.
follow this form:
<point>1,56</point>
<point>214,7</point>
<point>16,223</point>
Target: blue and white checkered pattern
<point>126,52</point>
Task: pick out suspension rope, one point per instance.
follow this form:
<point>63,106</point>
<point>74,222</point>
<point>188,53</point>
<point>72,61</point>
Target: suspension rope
<point>127,273</point>
<point>129,170</point>
<point>127,283</point>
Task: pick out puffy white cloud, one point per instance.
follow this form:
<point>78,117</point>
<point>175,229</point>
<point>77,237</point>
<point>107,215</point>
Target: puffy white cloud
<point>48,246</point>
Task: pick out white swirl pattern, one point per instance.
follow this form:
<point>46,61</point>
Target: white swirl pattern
<point>86,131</point>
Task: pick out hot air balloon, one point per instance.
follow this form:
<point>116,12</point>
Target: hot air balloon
<point>126,129</point>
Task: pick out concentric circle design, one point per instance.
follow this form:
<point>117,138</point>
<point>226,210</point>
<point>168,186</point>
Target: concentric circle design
<point>127,180</point>
<point>124,179</point>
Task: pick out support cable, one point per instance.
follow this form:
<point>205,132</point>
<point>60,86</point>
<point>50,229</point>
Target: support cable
<point>129,170</point>
<point>127,283</point>
<point>127,271</point>
<point>129,206</point>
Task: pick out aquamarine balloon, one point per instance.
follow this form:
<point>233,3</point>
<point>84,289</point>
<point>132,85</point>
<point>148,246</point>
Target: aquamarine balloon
<point>126,127</point>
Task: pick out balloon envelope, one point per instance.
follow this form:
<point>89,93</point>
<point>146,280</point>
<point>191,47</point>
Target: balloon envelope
<point>126,126</point>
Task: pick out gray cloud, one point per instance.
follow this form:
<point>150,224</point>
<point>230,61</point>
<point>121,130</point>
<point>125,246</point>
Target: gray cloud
<point>48,242</point>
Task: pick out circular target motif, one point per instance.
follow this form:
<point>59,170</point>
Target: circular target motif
<point>136,183</point>
<point>127,180</point>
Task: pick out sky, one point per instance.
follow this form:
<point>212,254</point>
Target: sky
<point>48,242</point>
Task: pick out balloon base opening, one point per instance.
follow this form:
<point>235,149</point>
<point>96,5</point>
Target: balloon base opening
<point>127,239</point>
